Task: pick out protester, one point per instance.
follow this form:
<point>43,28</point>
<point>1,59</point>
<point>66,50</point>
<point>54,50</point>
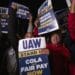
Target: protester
<point>14,36</point>
<point>60,55</point>
<point>30,34</point>
<point>4,43</point>
<point>13,32</point>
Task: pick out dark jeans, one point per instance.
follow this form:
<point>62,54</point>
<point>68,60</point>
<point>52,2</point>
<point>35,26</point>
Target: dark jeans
<point>3,48</point>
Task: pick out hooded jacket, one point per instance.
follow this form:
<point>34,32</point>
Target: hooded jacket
<point>60,59</point>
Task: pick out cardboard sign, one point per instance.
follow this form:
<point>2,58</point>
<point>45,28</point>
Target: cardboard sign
<point>3,10</point>
<point>32,60</point>
<point>48,22</point>
<point>4,20</point>
<point>31,44</point>
<point>34,65</point>
<point>4,25</point>
<point>22,11</point>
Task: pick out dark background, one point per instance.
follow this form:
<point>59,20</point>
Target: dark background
<point>32,4</point>
<point>35,4</point>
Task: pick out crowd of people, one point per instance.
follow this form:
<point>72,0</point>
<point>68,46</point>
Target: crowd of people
<point>62,54</point>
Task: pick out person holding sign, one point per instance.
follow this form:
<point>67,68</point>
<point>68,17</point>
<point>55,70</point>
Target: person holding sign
<point>60,55</point>
<point>30,33</point>
<point>12,28</point>
<point>13,31</point>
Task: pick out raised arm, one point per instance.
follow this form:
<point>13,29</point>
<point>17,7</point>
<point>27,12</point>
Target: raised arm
<point>30,24</point>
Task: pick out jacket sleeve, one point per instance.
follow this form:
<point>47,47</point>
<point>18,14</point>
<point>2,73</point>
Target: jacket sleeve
<point>71,25</point>
<point>12,28</point>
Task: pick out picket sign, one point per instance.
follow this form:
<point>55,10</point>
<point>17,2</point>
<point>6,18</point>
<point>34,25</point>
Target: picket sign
<point>31,44</point>
<point>47,20</point>
<point>22,11</point>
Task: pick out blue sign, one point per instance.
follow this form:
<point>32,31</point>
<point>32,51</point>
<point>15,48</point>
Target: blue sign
<point>34,65</point>
<point>3,10</point>
<point>4,24</point>
<point>47,19</point>
<point>22,11</point>
<point>48,23</point>
<point>45,4</point>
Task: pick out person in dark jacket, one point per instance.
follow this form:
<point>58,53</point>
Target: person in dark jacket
<point>13,31</point>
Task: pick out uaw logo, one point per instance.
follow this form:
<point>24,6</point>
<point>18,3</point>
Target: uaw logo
<point>31,46</point>
<point>31,59</point>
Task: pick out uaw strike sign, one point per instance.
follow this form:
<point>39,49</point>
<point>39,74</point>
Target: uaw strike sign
<point>31,59</point>
<point>3,10</point>
<point>31,44</point>
<point>22,11</point>
<point>47,19</point>
<point>4,20</point>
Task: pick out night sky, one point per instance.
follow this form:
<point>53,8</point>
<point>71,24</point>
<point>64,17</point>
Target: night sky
<point>32,4</point>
